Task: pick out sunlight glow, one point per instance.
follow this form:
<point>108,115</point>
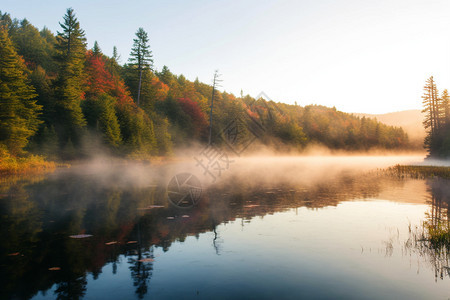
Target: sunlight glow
<point>359,56</point>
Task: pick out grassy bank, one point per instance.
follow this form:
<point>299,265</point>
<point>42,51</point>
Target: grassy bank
<point>10,164</point>
<point>420,172</point>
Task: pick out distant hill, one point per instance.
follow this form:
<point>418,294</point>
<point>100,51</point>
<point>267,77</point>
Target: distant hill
<point>409,120</point>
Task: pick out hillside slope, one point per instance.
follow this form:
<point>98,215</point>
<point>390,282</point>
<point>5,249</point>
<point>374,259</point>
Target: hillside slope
<point>409,120</point>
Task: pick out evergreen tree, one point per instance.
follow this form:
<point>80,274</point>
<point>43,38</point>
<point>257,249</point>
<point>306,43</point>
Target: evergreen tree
<point>72,37</point>
<point>113,63</point>
<point>30,44</point>
<point>430,109</point>
<point>141,56</point>
<point>48,35</point>
<point>50,64</point>
<point>136,128</point>
<point>42,84</point>
<point>444,134</point>
<point>152,91</point>
<point>446,107</point>
<point>101,117</point>
<point>69,86</point>
<point>436,113</point>
<point>96,49</point>
<point>172,82</point>
<point>165,75</point>
<point>18,109</point>
<point>116,56</point>
<point>10,25</point>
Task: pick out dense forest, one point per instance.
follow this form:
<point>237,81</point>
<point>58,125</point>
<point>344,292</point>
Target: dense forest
<point>62,100</point>
<point>437,120</point>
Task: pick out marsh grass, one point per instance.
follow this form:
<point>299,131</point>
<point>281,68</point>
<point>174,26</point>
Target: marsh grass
<point>431,242</point>
<point>438,235</point>
<point>29,164</point>
<point>433,239</point>
<point>419,172</point>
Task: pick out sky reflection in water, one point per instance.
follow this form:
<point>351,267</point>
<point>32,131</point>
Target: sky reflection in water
<point>343,238</point>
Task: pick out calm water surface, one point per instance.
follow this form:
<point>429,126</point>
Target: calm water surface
<point>347,235</point>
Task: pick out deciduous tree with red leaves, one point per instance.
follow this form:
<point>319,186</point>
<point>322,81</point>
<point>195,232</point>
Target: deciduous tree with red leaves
<point>192,109</point>
<point>101,81</point>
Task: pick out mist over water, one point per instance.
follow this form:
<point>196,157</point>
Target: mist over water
<point>304,225</point>
<point>435,162</point>
<point>266,167</point>
<point>293,169</point>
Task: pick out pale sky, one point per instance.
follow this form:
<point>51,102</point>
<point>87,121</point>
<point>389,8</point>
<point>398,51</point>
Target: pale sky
<point>357,55</point>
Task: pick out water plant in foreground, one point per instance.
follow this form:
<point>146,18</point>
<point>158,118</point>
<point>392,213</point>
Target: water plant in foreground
<point>419,172</point>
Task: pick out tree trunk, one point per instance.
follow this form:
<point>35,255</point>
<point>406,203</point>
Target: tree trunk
<point>139,86</point>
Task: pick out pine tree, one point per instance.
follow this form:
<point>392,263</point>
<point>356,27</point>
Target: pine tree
<point>116,56</point>
<point>435,117</point>
<point>141,56</point>
<point>136,129</point>
<point>70,83</point>
<point>444,136</point>
<point>41,82</point>
<point>72,37</point>
<point>446,107</point>
<point>50,64</point>
<point>96,49</point>
<point>101,117</point>
<point>9,24</point>
<point>30,44</point>
<point>18,109</point>
<point>429,103</point>
<point>113,62</point>
<point>165,75</point>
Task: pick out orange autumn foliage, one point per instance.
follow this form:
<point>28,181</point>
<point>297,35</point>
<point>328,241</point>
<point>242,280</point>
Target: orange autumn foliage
<point>161,89</point>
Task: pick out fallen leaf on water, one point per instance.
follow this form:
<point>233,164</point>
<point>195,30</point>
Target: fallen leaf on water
<point>80,236</point>
<point>54,269</point>
<point>14,254</point>
<point>111,243</point>
<point>146,260</point>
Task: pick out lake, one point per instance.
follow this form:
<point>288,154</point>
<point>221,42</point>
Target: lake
<point>256,228</point>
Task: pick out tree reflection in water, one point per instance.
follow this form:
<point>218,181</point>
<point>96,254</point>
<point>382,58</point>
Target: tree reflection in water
<point>432,240</point>
<point>74,288</point>
<point>141,265</point>
<point>38,217</point>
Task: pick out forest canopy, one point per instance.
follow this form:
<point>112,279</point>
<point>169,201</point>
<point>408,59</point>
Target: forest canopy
<point>57,98</point>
